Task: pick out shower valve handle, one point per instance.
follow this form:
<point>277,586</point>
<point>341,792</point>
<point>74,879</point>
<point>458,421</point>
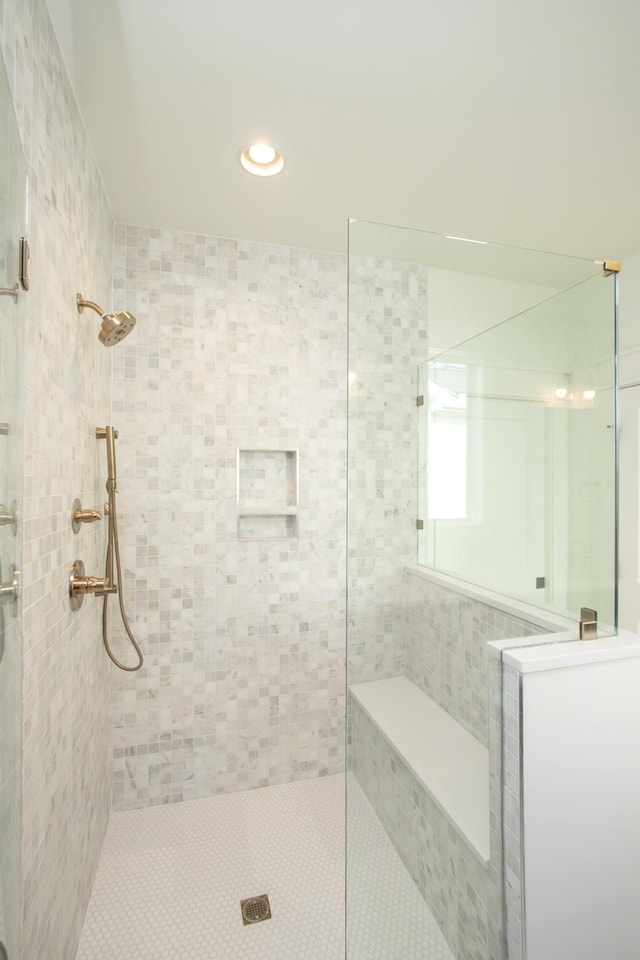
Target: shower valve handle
<point>80,585</point>
<point>8,518</point>
<point>9,591</point>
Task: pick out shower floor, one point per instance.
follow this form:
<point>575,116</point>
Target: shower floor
<point>171,879</point>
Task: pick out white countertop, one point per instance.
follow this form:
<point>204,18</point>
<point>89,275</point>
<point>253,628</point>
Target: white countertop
<point>571,653</point>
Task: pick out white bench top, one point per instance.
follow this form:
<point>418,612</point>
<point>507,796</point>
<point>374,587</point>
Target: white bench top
<point>452,764</point>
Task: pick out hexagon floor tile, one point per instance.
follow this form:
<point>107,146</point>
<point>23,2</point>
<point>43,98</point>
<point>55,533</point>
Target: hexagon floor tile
<point>171,879</point>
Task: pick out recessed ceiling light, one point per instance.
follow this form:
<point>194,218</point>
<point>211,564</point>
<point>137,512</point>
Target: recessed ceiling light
<point>262,159</point>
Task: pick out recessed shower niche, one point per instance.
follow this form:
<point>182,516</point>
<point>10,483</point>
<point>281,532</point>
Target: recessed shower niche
<point>267,494</point>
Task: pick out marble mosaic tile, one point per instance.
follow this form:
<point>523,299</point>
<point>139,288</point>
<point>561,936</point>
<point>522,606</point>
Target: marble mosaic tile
<point>463,894</point>
<point>12,325</point>
<point>387,341</point>
<point>512,831</point>
<point>65,674</point>
<point>239,346</point>
<point>445,644</point>
<point>171,878</point>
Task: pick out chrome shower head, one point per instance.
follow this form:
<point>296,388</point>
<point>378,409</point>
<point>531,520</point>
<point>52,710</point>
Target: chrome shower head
<point>115,326</point>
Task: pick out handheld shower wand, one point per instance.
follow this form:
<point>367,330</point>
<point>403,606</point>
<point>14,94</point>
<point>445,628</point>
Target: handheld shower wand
<point>113,553</point>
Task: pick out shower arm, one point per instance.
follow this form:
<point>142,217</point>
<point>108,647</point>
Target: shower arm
<point>82,303</point>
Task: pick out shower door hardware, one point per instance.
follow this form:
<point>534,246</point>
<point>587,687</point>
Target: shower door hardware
<point>588,624</point>
<point>419,524</point>
<point>25,256</point>
<point>80,585</point>
<point>9,591</point>
<point>420,401</point>
<point>80,516</point>
<point>9,517</point>
<point>610,266</point>
<point>10,291</point>
<point>4,432</point>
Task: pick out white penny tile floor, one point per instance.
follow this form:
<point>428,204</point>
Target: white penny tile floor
<point>171,879</point>
<point>387,919</point>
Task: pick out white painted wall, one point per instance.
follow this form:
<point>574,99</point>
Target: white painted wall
<point>461,305</point>
<point>581,776</point>
<point>629,443</point>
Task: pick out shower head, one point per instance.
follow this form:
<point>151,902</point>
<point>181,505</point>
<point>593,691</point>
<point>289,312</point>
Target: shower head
<point>115,326</point>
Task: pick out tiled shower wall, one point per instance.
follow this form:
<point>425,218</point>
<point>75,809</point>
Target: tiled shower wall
<point>387,341</point>
<point>239,345</point>
<point>446,634</point>
<point>65,795</point>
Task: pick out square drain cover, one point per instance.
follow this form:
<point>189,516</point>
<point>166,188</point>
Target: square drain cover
<point>255,909</point>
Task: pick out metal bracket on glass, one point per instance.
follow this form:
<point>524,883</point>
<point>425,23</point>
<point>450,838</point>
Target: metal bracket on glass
<point>610,266</point>
<point>588,624</point>
<point>25,256</point>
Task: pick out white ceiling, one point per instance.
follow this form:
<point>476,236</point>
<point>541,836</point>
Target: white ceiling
<point>504,120</point>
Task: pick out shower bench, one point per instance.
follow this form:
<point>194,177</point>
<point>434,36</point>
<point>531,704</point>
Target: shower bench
<point>451,765</point>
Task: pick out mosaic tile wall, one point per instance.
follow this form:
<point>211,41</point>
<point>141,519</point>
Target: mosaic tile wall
<point>65,733</point>
<point>462,893</point>
<point>239,345</point>
<point>400,622</point>
<point>511,812</point>
<point>387,340</point>
<point>445,645</point>
<point>12,324</point>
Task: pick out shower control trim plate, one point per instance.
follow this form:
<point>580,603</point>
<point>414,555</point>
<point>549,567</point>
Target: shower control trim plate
<point>80,585</point>
<point>10,591</point>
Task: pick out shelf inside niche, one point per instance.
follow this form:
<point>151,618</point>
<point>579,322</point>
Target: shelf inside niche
<point>267,494</point>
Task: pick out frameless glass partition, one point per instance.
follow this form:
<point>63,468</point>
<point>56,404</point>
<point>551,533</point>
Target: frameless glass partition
<point>517,482</point>
<point>481,507</point>
<point>12,227</point>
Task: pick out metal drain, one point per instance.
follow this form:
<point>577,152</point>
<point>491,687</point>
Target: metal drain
<point>255,909</point>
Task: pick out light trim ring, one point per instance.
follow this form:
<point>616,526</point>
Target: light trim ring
<point>262,160</point>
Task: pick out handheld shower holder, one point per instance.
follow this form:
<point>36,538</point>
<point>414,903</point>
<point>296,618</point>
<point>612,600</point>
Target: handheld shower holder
<point>80,516</point>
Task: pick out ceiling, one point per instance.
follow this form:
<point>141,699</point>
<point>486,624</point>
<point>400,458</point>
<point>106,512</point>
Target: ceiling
<point>501,120</point>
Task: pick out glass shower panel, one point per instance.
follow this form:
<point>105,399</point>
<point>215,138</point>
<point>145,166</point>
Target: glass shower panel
<point>518,436</point>
<point>481,474</point>
<point>12,227</point>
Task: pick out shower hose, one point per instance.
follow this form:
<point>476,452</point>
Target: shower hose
<point>113,541</point>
